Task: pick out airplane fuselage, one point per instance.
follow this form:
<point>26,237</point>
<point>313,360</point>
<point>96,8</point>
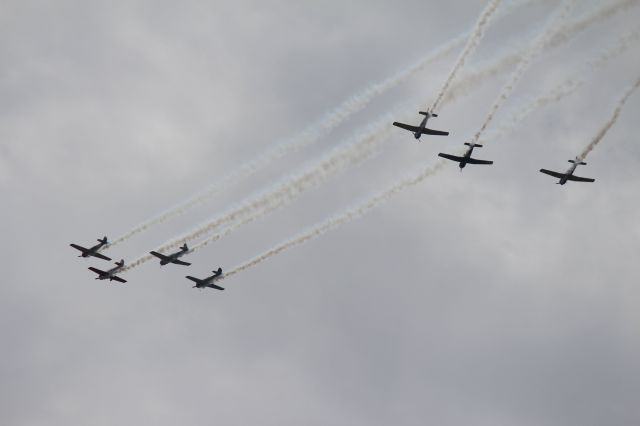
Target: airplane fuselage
<point>569,172</point>
<point>466,155</point>
<point>422,126</point>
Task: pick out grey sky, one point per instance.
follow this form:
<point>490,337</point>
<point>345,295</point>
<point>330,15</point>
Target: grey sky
<point>491,297</point>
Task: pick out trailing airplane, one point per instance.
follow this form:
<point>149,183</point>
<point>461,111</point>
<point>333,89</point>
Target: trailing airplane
<point>422,128</point>
<point>568,175</point>
<point>110,274</point>
<point>172,258</point>
<point>209,281</point>
<point>466,158</point>
<point>93,251</point>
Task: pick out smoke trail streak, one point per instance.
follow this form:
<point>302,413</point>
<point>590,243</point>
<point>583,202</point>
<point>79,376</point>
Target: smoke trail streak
<point>559,38</point>
<point>382,196</point>
<point>566,88</point>
<point>358,148</point>
<point>267,201</point>
<point>536,46</point>
<point>472,43</point>
<point>614,117</point>
<point>340,219</point>
<point>311,134</point>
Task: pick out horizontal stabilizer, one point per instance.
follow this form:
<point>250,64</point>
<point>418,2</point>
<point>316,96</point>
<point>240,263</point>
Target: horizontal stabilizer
<point>425,113</point>
<point>475,146</point>
<point>578,162</point>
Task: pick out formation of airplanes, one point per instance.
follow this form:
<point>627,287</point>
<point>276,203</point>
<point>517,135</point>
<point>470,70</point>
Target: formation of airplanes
<point>209,282</point>
<point>466,158</point>
<point>112,274</point>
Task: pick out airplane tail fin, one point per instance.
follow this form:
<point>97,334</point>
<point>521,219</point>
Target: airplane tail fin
<point>473,145</point>
<point>184,247</point>
<point>577,161</point>
<point>219,271</point>
<point>425,113</point>
<point>103,240</point>
<point>121,263</point>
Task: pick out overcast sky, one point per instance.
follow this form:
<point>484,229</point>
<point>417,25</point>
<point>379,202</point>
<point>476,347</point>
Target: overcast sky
<point>489,297</point>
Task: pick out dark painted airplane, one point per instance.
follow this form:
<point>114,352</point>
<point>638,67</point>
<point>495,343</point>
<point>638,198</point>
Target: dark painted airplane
<point>93,251</point>
<point>110,274</point>
<point>422,128</point>
<point>209,281</point>
<point>568,175</point>
<point>466,158</point>
<point>172,258</point>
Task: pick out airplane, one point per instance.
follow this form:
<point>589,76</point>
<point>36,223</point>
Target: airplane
<point>93,251</point>
<point>209,281</point>
<point>568,175</point>
<point>172,258</point>
<point>110,274</point>
<point>466,158</point>
<point>422,128</point>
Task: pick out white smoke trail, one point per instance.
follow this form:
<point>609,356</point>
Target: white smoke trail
<point>614,117</point>
<point>569,31</point>
<point>311,134</point>
<point>357,149</point>
<point>340,219</point>
<point>384,195</point>
<point>287,190</point>
<point>536,46</point>
<point>566,88</point>
<point>472,43</point>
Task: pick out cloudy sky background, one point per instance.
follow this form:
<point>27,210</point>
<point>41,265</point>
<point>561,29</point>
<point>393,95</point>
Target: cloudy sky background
<point>489,297</point>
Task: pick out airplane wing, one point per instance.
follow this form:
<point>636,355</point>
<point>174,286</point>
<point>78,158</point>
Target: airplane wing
<point>476,161</point>
<point>451,157</point>
<point>194,279</point>
<point>434,132</point>
<point>554,174</point>
<point>210,285</point>
<point>116,278</point>
<point>180,262</point>
<point>160,256</point>
<point>406,127</point>
<point>97,271</point>
<point>100,256</point>
<point>80,248</point>
<point>580,179</point>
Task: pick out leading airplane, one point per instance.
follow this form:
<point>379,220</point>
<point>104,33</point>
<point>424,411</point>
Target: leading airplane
<point>568,175</point>
<point>172,258</point>
<point>93,251</point>
<point>422,128</point>
<point>466,158</point>
<point>209,281</point>
<point>110,274</point>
